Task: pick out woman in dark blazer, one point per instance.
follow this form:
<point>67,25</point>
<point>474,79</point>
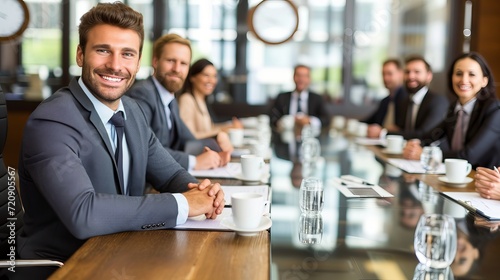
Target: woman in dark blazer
<point>471,81</point>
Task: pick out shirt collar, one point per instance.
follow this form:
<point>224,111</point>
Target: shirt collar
<point>105,113</point>
<point>419,95</point>
<point>165,95</point>
<point>467,107</point>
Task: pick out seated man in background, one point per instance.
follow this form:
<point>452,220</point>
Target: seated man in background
<point>308,108</point>
<point>384,116</point>
<point>87,152</point>
<point>422,109</point>
<point>171,61</point>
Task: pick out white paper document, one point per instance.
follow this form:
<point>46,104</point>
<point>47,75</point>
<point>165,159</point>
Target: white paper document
<point>370,141</point>
<point>231,171</point>
<point>202,223</point>
<point>413,166</point>
<point>472,201</point>
<point>358,190</point>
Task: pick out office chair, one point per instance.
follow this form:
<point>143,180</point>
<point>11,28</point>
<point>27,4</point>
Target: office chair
<point>11,211</point>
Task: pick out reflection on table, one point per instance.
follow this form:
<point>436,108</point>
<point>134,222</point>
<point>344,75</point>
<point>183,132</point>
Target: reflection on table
<point>368,238</point>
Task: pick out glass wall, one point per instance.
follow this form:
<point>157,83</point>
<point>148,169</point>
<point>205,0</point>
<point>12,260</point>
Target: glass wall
<point>344,41</point>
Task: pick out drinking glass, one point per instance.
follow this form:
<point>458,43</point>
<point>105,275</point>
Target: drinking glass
<point>435,240</point>
<point>311,195</point>
<point>310,149</point>
<point>423,273</point>
<point>431,158</point>
<point>310,228</point>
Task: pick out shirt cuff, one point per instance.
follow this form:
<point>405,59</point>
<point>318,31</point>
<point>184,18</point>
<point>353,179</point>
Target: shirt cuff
<point>183,208</point>
<point>191,162</point>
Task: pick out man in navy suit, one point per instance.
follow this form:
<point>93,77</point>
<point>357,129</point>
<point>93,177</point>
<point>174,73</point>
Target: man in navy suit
<point>72,185</point>
<point>422,109</point>
<point>384,116</point>
<point>171,61</point>
<point>308,108</point>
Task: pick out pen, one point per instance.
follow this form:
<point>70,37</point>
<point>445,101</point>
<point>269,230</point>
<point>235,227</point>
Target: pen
<point>496,169</point>
<point>468,205</point>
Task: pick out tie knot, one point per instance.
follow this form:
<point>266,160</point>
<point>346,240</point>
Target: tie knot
<point>117,119</point>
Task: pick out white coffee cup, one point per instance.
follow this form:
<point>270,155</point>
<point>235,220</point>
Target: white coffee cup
<point>362,129</point>
<point>287,122</point>
<point>252,167</point>
<point>264,119</point>
<point>457,169</point>
<point>352,126</point>
<point>260,149</point>
<point>338,122</point>
<point>236,136</point>
<point>247,209</point>
<point>394,143</point>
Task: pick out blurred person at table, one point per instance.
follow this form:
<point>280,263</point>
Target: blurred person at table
<point>78,179</point>
<point>308,108</point>
<point>200,83</point>
<point>421,110</point>
<point>470,130</point>
<point>156,96</point>
<point>384,116</point>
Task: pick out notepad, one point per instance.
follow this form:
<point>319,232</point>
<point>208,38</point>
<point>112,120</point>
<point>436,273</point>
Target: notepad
<point>472,201</point>
<point>413,166</point>
<point>231,171</point>
<point>356,190</point>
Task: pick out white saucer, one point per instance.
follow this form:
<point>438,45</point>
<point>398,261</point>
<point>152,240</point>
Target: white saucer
<point>264,224</point>
<point>385,151</point>
<point>444,179</point>
<point>262,179</point>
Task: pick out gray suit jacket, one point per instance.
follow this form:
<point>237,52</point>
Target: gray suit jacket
<point>69,180</point>
<point>182,142</point>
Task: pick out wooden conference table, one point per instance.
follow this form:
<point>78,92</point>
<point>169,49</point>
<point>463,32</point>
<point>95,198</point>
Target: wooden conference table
<point>365,238</point>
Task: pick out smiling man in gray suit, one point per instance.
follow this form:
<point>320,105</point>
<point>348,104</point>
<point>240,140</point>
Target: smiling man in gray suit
<point>78,178</point>
<point>171,60</point>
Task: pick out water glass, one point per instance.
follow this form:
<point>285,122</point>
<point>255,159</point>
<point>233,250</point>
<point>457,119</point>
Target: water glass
<point>435,240</point>
<point>310,228</point>
<point>310,149</point>
<point>424,273</point>
<point>311,195</point>
<point>431,158</point>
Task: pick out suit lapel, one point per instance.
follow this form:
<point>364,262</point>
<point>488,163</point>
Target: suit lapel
<point>94,118</point>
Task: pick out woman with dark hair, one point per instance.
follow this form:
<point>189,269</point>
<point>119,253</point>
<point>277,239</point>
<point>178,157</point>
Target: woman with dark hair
<point>200,83</point>
<point>471,129</point>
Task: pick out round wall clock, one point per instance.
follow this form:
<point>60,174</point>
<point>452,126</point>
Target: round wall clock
<point>274,21</point>
<point>14,19</point>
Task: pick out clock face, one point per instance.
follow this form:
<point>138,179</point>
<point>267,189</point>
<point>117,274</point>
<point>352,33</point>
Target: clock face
<point>274,22</point>
<point>14,18</point>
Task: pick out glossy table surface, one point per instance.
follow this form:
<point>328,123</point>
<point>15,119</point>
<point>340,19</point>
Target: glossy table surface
<point>361,238</point>
<point>368,238</point>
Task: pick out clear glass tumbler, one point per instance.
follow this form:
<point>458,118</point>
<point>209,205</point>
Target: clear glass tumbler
<point>435,240</point>
<point>310,228</point>
<point>431,158</point>
<point>311,195</point>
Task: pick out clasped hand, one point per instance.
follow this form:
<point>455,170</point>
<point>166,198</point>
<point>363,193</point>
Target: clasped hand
<point>487,183</point>
<point>205,198</point>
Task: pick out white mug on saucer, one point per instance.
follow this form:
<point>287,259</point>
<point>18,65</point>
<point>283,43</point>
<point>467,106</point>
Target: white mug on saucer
<point>247,209</point>
<point>394,144</point>
<point>457,169</point>
<point>252,167</point>
<point>236,136</point>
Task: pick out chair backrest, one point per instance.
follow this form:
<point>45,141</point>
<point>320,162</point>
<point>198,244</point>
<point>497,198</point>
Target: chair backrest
<point>10,204</point>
